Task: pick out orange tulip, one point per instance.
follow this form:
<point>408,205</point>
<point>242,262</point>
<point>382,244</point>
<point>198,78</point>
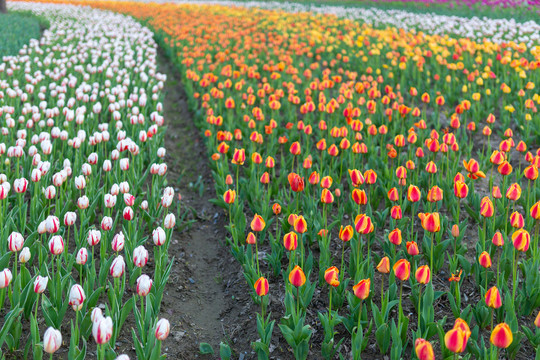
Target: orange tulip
<point>497,239</point>
<point>296,182</point>
<point>531,172</point>
<point>535,211</point>
<point>261,286</point>
<point>393,194</point>
<point>326,182</point>
<point>461,190</point>
<point>229,196</point>
<point>412,248</point>
<point>290,241</point>
<point>473,168</point>
<point>516,220</point>
<point>239,157</point>
<point>423,349</point>
<point>357,178</point>
<point>363,224</point>
<point>505,168</point>
<point>346,233</point>
<point>359,197</point>
<point>486,207</point>
<point>423,274</point>
<point>384,265</point>
<point>295,148</point>
<point>484,260</point>
<point>300,224</point>
<point>430,222</point>
<point>514,192</point>
<point>454,339</point>
<point>435,194</point>
<point>361,290</point>
<point>297,277</point>
<point>327,197</point>
<point>402,269</point>
<point>395,237</point>
<point>501,336</point>
<point>257,224</point>
<point>455,230</point>
<point>251,239</point>
<point>521,240</point>
<point>396,213</point>
<point>493,298</point>
<point>537,320</point>
<point>276,209</point>
<point>331,276</point>
<point>413,193</point>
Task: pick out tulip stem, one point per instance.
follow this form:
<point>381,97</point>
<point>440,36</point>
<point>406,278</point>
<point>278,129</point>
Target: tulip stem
<point>382,291</point>
<point>330,308</point>
<point>431,257</point>
<point>514,277</point>
<point>400,308</point>
<point>419,301</point>
<point>359,328</point>
<point>37,305</point>
<point>257,257</point>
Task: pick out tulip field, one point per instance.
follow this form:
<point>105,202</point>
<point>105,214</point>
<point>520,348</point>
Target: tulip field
<point>376,170</point>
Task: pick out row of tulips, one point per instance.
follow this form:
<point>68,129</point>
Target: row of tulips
<point>365,155</point>
<point>83,193</point>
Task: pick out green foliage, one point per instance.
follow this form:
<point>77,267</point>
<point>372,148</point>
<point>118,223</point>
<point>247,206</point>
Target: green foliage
<point>17,28</point>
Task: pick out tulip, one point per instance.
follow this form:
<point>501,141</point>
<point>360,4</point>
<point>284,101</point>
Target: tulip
<point>261,286</point>
<point>257,224</point>
<point>423,349</point>
<point>501,336</point>
<point>76,297</point>
<point>331,276</point>
<point>493,298</point>
<point>412,248</point>
<point>70,218</point>
<point>537,320</point>
<point>297,277</point>
<point>290,241</point>
<point>484,260</point>
<point>102,330</point>
<point>94,237</point>
<point>144,285</point>
<point>40,284</point>
<point>162,329</point>
<point>52,224</point>
<point>395,237</point>
<point>15,242</point>
<point>118,242</point>
<point>454,339</point>
<point>25,255</point>
<point>52,340</point>
<point>127,213</point>
<point>158,235</point>
<point>229,196</point>
<point>361,289</point>
<point>56,245</point>
<point>140,256</point>
<point>82,256</point>
<point>118,267</point>
<point>423,274</point>
<point>170,221</point>
<point>300,224</point>
<point>384,265</point>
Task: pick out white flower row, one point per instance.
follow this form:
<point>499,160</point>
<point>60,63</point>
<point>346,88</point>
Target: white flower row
<point>496,30</point>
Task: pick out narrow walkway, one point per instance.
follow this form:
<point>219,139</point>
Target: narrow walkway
<point>206,299</point>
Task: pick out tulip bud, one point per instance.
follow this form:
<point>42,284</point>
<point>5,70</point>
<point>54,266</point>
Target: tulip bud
<point>261,286</point>
<point>484,260</point>
<point>76,297</point>
<point>297,277</point>
<point>361,290</point>
<point>423,274</point>
<point>140,256</point>
<point>106,223</point>
<point>25,255</point>
<point>162,329</point>
<point>493,298</point>
<point>412,248</point>
<point>94,237</point>
<point>15,241</point>
<point>83,202</point>
<point>170,221</point>
<point>70,218</point>
<point>40,284</point>
<point>117,267</point>
<point>384,265</point>
<point>52,340</point>
<point>501,336</point>
<point>144,285</point>
<point>52,224</point>
<point>5,278</point>
<point>128,213</point>
<point>82,256</point>
<point>423,349</point>
<point>56,245</point>
<point>102,330</point>
<point>159,237</point>
<point>402,269</point>
<point>331,275</point>
<point>257,224</point>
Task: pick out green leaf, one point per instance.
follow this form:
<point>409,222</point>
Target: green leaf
<point>206,349</point>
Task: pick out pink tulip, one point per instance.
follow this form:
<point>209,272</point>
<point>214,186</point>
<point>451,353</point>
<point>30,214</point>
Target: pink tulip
<point>163,327</point>
<point>52,340</point>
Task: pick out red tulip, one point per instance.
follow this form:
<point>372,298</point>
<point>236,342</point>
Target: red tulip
<point>402,269</point>
<point>261,286</point>
<point>297,277</point>
<point>501,336</point>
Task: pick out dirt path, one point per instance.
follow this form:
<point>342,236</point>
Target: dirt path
<point>206,299</point>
